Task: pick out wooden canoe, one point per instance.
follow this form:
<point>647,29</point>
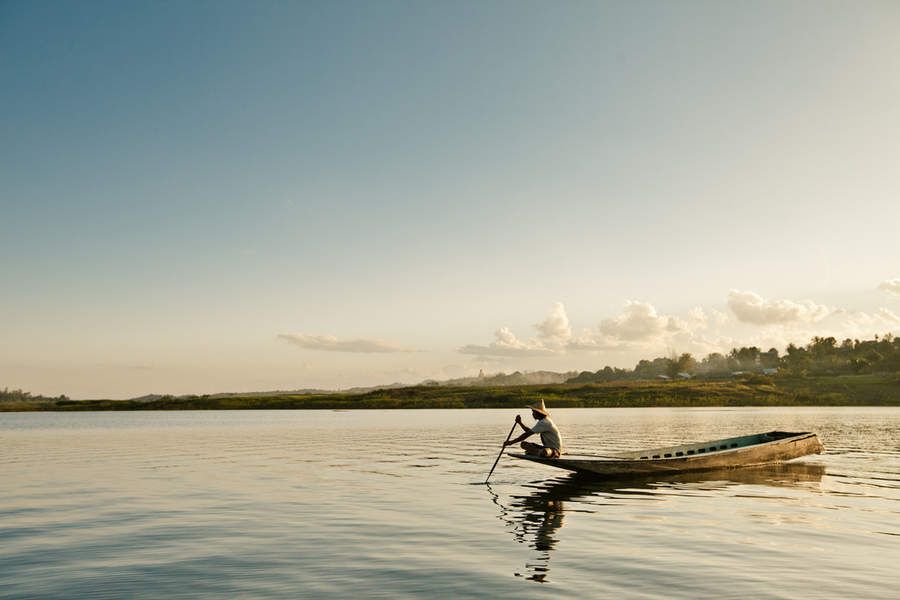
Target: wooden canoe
<point>729,453</point>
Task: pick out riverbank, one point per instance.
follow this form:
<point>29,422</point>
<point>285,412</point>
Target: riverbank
<point>841,390</point>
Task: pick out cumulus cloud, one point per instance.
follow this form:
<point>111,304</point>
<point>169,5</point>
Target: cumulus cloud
<point>719,318</point>
<point>591,340</point>
<point>639,322</point>
<point>698,317</point>
<point>750,307</point>
<point>640,329</point>
<point>891,285</point>
<point>863,323</point>
<point>840,323</point>
<point>888,316</point>
<point>555,329</point>
<point>638,325</point>
<point>507,344</point>
<point>330,343</point>
<point>554,334</point>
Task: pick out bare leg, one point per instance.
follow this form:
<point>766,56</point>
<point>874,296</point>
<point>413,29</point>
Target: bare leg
<point>538,450</point>
<point>531,449</point>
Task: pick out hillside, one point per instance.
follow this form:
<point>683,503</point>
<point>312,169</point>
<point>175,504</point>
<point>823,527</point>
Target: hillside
<point>844,390</point>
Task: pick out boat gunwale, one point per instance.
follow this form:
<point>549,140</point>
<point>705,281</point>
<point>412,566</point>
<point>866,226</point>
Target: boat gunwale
<point>799,436</point>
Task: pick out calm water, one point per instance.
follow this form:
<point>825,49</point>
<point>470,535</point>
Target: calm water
<point>288,504</point>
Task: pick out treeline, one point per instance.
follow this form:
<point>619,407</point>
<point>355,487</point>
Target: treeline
<point>756,390</point>
<point>822,356</point>
<point>19,398</point>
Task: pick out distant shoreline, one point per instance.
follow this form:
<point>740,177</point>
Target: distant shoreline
<point>836,390</point>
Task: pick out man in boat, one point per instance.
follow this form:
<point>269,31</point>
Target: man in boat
<point>551,440</point>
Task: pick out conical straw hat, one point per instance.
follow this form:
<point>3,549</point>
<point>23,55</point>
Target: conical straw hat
<point>539,406</point>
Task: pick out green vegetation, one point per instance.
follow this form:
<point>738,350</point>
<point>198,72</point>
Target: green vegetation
<point>17,400</point>
<point>750,390</point>
<point>823,373</point>
<point>822,356</point>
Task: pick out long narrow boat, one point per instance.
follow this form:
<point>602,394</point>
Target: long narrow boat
<point>729,453</point>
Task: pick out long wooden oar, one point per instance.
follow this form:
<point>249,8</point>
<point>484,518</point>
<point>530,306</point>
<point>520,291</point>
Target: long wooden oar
<point>501,453</point>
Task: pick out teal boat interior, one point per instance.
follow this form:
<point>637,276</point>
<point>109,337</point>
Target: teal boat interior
<point>710,447</point>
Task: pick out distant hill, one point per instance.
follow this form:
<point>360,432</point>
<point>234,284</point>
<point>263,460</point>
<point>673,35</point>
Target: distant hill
<point>496,380</point>
<point>824,361</point>
<point>754,390</point>
<point>504,380</point>
<point>147,398</point>
<point>305,392</point>
<point>268,394</point>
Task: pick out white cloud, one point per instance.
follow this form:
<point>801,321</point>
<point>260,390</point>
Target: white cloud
<point>555,329</point>
<point>698,318</point>
<point>641,330</point>
<point>750,307</point>
<point>638,325</point>
<point>507,344</point>
<point>866,324</point>
<point>591,340</point>
<point>554,333</point>
<point>891,285</point>
<point>840,324</point>
<point>330,343</point>
<point>888,315</point>
<point>639,322</point>
<point>719,318</point>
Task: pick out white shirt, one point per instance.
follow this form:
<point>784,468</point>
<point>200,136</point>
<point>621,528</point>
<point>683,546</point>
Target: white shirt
<point>550,436</point>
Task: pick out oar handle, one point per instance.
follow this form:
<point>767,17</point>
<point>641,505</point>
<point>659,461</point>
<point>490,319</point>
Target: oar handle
<point>513,428</point>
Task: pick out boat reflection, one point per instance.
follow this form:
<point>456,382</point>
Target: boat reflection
<point>536,518</point>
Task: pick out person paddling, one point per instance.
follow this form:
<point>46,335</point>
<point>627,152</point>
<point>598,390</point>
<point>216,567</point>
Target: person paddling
<point>550,438</point>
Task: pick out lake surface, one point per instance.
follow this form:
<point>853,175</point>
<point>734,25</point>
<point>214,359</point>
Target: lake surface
<point>287,504</point>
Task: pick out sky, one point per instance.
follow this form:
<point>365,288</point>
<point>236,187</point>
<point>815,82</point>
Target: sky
<point>201,197</point>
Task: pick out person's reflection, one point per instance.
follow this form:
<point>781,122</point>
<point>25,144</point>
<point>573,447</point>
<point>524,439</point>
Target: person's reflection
<point>542,516</point>
<point>535,519</point>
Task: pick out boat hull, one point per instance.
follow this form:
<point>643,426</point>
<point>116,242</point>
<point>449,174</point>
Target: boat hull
<point>761,449</point>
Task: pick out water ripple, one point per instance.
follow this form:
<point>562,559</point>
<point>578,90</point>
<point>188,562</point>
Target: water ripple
<point>285,504</point>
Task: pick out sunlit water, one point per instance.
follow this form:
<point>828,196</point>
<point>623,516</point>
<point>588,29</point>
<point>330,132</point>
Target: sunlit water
<point>390,503</point>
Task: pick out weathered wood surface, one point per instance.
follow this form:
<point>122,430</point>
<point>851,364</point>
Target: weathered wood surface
<point>759,449</point>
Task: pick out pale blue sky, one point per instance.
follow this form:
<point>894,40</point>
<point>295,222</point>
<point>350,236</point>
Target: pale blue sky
<point>181,183</point>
